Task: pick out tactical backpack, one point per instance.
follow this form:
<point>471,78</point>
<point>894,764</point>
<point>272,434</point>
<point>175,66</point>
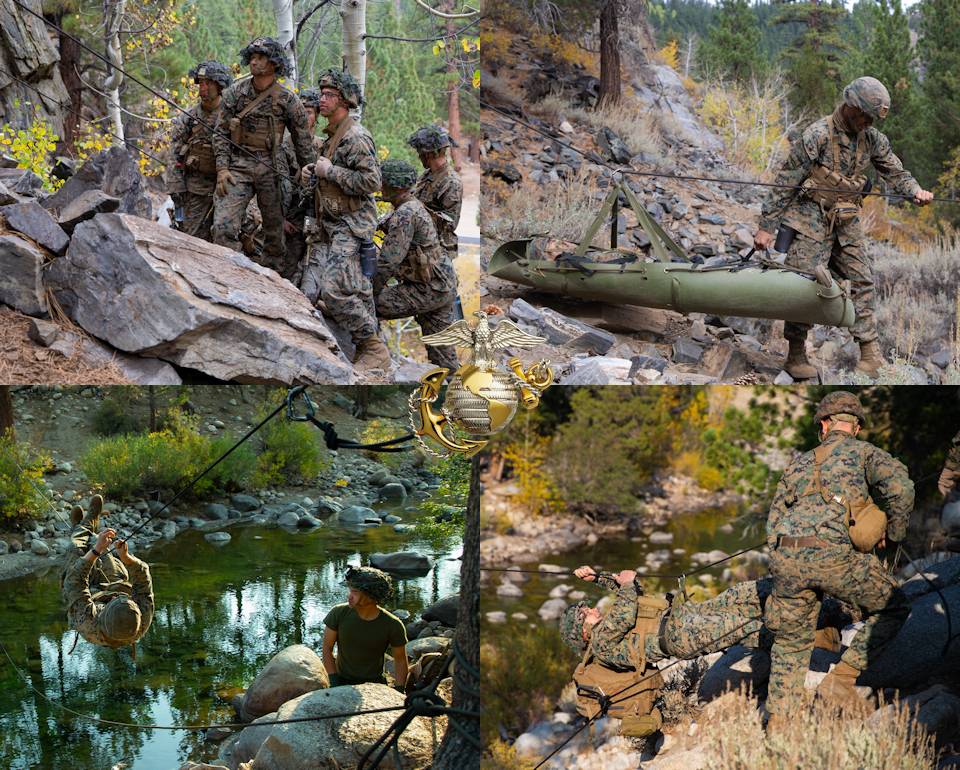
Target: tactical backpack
<point>628,695</point>
<point>197,151</point>
<point>841,203</point>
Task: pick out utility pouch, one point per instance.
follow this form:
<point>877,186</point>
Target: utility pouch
<point>867,524</point>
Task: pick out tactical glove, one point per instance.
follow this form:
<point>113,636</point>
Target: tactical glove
<point>224,178</point>
<point>947,481</point>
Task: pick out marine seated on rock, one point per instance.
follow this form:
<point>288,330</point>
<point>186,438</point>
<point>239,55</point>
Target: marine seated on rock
<point>109,599</point>
<point>362,631</point>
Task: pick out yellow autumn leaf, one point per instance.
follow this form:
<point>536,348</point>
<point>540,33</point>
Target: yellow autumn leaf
<point>476,78</point>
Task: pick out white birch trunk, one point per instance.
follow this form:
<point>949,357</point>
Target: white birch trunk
<point>283,10</point>
<point>354,16</point>
<point>112,15</point>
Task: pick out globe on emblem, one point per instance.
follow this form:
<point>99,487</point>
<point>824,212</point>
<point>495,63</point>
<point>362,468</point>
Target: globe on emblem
<point>481,402</point>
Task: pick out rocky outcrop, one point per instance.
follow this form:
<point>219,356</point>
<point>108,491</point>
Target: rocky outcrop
<point>149,290</point>
<point>21,264</point>
<point>113,172</point>
<point>291,672</point>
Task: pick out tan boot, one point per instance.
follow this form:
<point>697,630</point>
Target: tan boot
<point>827,638</point>
<point>797,365</point>
<point>871,359</point>
<point>839,686</point>
<point>372,354</point>
<point>92,518</point>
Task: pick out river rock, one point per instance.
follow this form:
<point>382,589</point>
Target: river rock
<point>113,171</point>
<point>327,507</point>
<point>417,647</point>
<point>509,591</point>
<point>169,530</point>
<point>444,610</point>
<point>357,514</point>
<point>21,265</point>
<point>497,617</point>
<point>217,538</point>
<point>401,561</point>
<point>34,221</point>
<point>391,519</point>
<point>40,548</point>
<point>247,743</point>
<point>393,491</point>
<point>293,671</point>
<point>331,744</point>
<point>552,609</point>
<point>288,519</point>
<point>309,522</point>
<point>4,548</point>
<point>217,512</point>
<point>244,503</point>
<point>661,538</point>
<point>147,289</point>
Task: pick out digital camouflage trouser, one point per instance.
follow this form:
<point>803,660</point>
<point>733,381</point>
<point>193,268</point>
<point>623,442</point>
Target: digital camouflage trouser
<point>332,273</point>
<point>198,215</point>
<point>251,178</point>
<point>800,578</point>
<point>843,254</point>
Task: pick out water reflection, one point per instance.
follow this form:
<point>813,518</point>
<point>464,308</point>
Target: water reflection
<point>221,614</point>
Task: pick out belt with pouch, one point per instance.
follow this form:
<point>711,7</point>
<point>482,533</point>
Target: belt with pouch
<point>783,541</point>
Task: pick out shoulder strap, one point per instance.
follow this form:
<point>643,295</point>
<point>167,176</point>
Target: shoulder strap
<point>820,455</point>
<point>834,145</point>
<point>271,92</point>
<point>337,137</point>
<point>861,141</point>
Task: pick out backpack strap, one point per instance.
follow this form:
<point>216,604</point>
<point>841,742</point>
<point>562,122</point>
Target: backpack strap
<point>345,125</point>
<point>273,92</point>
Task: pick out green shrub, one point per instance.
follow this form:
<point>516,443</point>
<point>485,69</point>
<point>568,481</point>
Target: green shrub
<point>113,417</point>
<point>21,476</point>
<point>290,453</point>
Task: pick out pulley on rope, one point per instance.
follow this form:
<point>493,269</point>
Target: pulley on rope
<point>330,437</point>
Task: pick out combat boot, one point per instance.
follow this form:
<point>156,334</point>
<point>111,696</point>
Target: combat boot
<point>839,686</point>
<point>871,359</point>
<point>372,354</point>
<point>797,365</point>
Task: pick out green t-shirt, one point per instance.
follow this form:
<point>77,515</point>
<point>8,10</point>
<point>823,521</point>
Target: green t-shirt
<point>362,643</point>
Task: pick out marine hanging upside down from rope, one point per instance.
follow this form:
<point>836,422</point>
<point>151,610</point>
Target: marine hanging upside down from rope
<point>834,153</point>
<point>109,599</point>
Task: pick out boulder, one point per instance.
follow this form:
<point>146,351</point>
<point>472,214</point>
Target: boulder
<point>21,265</point>
<point>217,538</point>
<point>86,206</point>
<point>509,591</point>
<point>599,370</point>
<point>34,221</point>
<point>417,647</point>
<point>393,491</point>
<point>401,561</point>
<point>327,507</point>
<point>613,147</point>
<point>293,671</point>
<point>356,514</point>
<point>444,610</point>
<point>217,511</point>
<point>561,330</point>
<point>309,522</point>
<point>154,291</point>
<point>738,665</point>
<point>288,519</point>
<point>244,503</point>
<point>247,743</point>
<point>552,609</point>
<point>113,171</point>
<point>169,530</point>
<point>137,369</point>
<point>7,197</point>
<point>331,744</point>
<point>40,548</point>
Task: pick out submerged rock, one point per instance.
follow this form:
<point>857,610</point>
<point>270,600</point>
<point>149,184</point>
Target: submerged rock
<point>444,610</point>
<point>217,538</point>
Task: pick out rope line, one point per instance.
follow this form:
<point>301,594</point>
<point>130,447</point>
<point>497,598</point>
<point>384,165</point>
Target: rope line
<point>594,158</point>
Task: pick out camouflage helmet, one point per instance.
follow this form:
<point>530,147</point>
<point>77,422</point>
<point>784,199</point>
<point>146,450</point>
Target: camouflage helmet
<point>430,139</point>
<point>842,405</point>
<point>398,174</point>
<point>212,70</point>
<point>571,626</point>
<point>119,620</point>
<point>870,95</point>
<point>372,581</point>
<point>270,48</point>
<point>343,82</point>
<point>310,97</point>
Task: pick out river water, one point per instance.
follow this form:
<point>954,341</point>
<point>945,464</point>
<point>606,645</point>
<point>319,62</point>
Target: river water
<point>221,614</point>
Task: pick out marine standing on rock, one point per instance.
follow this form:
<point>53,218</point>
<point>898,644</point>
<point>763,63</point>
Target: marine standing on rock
<point>109,600</point>
<point>426,285</point>
<point>832,154</point>
<point>951,469</point>
<point>346,174</point>
<point>439,187</point>
<point>822,499</point>
<point>362,632</point>
<point>253,116</point>
<point>192,172</point>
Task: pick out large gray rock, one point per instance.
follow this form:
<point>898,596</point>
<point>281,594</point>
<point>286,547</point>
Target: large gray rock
<point>86,206</point>
<point>34,221</point>
<point>738,666</point>
<point>558,329</point>
<point>332,744</point>
<point>401,561</point>
<point>7,197</point>
<point>151,290</point>
<point>39,548</point>
<point>599,370</point>
<point>21,265</point>
<point>137,369</point>
<point>444,610</point>
<point>217,538</point>
<point>291,672</point>
<point>357,514</point>
<point>244,503</point>
<point>113,171</point>
<point>246,745</point>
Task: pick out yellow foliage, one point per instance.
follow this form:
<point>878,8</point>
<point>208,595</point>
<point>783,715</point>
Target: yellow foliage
<point>341,483</point>
<point>502,756</point>
<point>561,49</point>
<point>33,149</point>
<point>538,493</point>
<point>496,45</point>
<point>669,54</point>
<point>749,126</point>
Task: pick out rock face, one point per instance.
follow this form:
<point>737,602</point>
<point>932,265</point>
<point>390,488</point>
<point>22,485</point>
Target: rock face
<point>150,290</point>
<point>339,743</point>
<point>291,672</point>
<point>114,172</point>
<point>34,221</point>
<point>21,265</point>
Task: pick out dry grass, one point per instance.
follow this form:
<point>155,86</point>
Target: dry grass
<point>639,128</point>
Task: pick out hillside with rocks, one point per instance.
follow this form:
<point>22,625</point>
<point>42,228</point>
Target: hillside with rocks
<point>550,177</point>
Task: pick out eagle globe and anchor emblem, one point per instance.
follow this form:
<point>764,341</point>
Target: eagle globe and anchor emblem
<point>482,397</point>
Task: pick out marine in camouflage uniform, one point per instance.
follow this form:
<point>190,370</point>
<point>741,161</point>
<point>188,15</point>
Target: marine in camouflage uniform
<point>439,187</point>
<point>109,600</point>
<point>845,143</point>
<point>247,147</point>
<point>347,174</point>
<point>192,171</point>
<point>812,553</point>
<point>951,469</point>
<point>426,285</point>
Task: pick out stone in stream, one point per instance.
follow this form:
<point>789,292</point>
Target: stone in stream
<point>40,548</point>
<point>293,671</point>
<point>496,616</point>
<point>217,538</point>
<point>356,514</point>
<point>217,511</point>
<point>309,522</point>
<point>509,591</point>
<point>288,519</point>
<point>244,503</point>
<point>393,491</point>
<point>444,610</point>
<point>552,609</point>
<point>401,561</point>
<point>327,507</point>
<point>169,530</point>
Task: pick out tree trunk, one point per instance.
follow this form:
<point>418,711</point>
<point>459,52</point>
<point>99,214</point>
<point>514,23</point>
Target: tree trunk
<point>112,16</point>
<point>609,55</point>
<point>283,10</point>
<point>354,16</point>
<point>453,87</point>
<point>457,750</point>
<point>6,411</point>
<point>68,64</point>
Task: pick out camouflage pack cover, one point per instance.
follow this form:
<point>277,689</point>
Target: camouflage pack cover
<point>430,139</point>
<point>212,70</point>
<point>398,173</point>
<point>571,627</point>
<point>372,581</point>
<point>869,95</point>
<point>839,402</point>
<point>270,48</point>
<point>344,82</point>
<point>310,97</point>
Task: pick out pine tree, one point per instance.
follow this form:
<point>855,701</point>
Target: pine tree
<point>939,49</point>
<point>732,47</point>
